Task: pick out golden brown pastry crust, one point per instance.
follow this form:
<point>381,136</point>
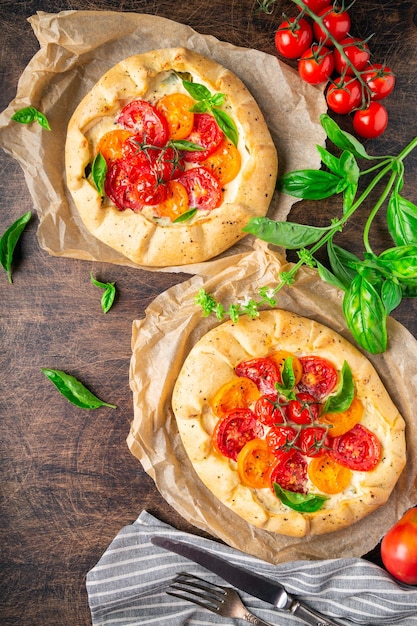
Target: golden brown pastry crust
<point>144,241</point>
<point>211,363</point>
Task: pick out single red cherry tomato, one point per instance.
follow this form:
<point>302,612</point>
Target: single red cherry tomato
<point>312,441</point>
<point>290,472</point>
<point>204,190</point>
<point>269,410</point>
<point>293,37</point>
<point>319,377</point>
<point>131,186</point>
<point>358,53</point>
<point>380,80</point>
<point>344,95</point>
<point>304,409</point>
<point>263,372</point>
<point>316,5</point>
<point>144,119</point>
<point>316,64</point>
<point>232,432</point>
<point>337,22</point>
<point>359,449</point>
<point>280,438</point>
<point>205,133</point>
<point>399,548</point>
<point>371,121</point>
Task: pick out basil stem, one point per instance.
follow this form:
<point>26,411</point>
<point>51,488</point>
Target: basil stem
<point>73,390</point>
<point>9,240</point>
<point>27,115</point>
<point>109,294</point>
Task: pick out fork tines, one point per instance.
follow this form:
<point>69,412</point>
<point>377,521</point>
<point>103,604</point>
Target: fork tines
<point>189,585</point>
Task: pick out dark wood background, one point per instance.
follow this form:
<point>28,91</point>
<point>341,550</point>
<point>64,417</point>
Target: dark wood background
<point>68,481</point>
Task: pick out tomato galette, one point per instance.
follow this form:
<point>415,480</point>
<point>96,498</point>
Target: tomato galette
<point>168,157</point>
<point>288,424</point>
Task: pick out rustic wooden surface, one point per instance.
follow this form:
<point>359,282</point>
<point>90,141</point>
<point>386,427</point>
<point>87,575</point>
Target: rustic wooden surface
<point>68,481</point>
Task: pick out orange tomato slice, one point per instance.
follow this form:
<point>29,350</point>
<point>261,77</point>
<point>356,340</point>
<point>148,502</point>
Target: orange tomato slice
<point>175,107</point>
<point>279,357</point>
<point>224,163</point>
<point>238,393</point>
<point>254,463</point>
<point>328,475</point>
<point>111,144</point>
<point>342,422</point>
<point>176,202</point>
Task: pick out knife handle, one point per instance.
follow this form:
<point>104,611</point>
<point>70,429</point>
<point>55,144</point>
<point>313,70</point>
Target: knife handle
<point>310,617</point>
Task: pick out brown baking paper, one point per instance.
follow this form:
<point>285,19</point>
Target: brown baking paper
<point>76,49</point>
<point>160,344</point>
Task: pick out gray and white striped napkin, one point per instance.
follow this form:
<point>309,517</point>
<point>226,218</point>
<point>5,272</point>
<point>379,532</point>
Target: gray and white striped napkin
<point>352,591</point>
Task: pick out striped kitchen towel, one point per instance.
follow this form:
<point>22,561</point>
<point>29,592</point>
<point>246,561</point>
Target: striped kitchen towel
<point>127,586</point>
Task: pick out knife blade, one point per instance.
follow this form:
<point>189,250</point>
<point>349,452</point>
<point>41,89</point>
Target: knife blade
<point>255,585</point>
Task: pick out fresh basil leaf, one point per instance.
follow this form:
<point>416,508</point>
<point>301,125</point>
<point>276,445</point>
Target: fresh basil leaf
<point>200,107</point>
<point>9,240</point>
<point>365,315</point>
<point>73,390</point>
<point>341,262</point>
<point>183,76</point>
<point>350,168</point>
<point>226,124</point>
<point>401,261</point>
<point>402,220</point>
<point>286,388</point>
<point>349,194</point>
<point>304,503</point>
<point>329,160</point>
<point>289,235</point>
<point>341,400</point>
<point>109,294</point>
<point>310,184</point>
<point>98,172</point>
<point>328,277</point>
<point>184,217</point>
<point>30,114</point>
<point>187,146</point>
<point>391,294</point>
<point>342,139</point>
<point>217,99</point>
<point>196,90</point>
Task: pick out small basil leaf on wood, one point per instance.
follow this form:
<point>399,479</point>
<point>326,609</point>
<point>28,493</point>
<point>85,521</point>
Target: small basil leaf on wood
<point>402,220</point>
<point>365,315</point>
<point>98,172</point>
<point>391,294</point>
<point>342,139</point>
<point>109,294</point>
<point>310,184</point>
<point>331,161</point>
<point>27,115</point>
<point>9,240</point>
<point>287,234</point>
<point>342,263</point>
<point>73,390</point>
<point>401,261</point>
<point>304,503</point>
<point>342,399</point>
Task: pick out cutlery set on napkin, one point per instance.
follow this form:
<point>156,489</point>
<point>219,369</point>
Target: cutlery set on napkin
<point>130,585</point>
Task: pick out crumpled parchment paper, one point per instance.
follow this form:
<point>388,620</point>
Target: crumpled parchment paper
<point>76,49</point>
<point>160,343</point>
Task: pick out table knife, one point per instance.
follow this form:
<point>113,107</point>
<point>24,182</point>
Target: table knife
<point>270,591</point>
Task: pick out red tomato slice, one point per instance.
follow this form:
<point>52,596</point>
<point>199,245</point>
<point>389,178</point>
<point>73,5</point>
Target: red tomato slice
<point>131,185</point>
<point>319,376</point>
<point>304,409</point>
<point>204,191</point>
<point>358,449</point>
<point>280,438</point>
<point>264,373</point>
<point>231,433</point>
<point>312,441</point>
<point>254,463</point>
<point>269,410</point>
<point>148,124</point>
<point>290,472</point>
<point>207,134</point>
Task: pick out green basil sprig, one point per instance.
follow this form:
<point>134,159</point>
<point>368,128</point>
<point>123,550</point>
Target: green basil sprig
<point>373,285</point>
<point>210,103</point>
<point>73,390</point>
<point>302,502</point>
<point>27,115</point>
<point>342,399</point>
<point>109,294</point>
<point>9,240</point>
<point>98,172</point>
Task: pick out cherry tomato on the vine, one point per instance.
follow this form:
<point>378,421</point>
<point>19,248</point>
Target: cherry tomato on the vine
<point>371,121</point>
<point>399,548</point>
<point>293,37</point>
<point>380,80</point>
<point>316,64</point>
<point>344,94</point>
<point>316,5</point>
<point>358,53</point>
<point>337,22</point>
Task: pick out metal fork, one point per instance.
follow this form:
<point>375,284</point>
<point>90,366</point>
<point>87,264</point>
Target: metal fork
<point>224,601</point>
